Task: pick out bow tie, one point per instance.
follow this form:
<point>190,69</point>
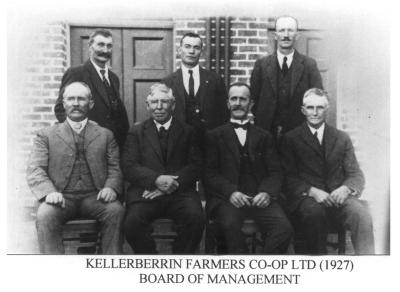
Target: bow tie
<point>243,126</point>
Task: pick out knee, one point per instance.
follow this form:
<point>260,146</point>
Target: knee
<point>193,217</point>
<point>114,211</point>
<point>314,213</point>
<point>133,223</point>
<point>358,211</point>
<point>49,215</point>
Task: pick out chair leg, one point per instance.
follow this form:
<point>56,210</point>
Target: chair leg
<point>342,240</point>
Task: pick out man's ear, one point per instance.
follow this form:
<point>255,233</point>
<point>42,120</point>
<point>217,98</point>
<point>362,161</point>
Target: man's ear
<point>91,103</point>
<point>303,110</point>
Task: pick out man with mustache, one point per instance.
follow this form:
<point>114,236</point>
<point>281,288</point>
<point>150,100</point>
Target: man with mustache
<point>161,162</point>
<point>200,94</point>
<point>278,81</point>
<point>243,178</point>
<point>108,110</point>
<point>74,172</point>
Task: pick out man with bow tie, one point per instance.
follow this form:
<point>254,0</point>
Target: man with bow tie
<point>243,178</point>
<point>161,162</point>
<point>108,110</point>
<point>323,180</point>
<point>74,172</point>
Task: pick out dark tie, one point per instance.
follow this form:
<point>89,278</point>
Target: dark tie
<point>110,92</point>
<point>316,137</point>
<point>163,136</point>
<point>243,126</point>
<point>191,84</point>
<point>285,68</point>
<point>105,81</point>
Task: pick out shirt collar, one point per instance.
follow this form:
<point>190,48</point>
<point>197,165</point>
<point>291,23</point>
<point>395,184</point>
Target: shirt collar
<point>195,69</point>
<point>240,122</point>
<point>98,68</point>
<point>73,124</point>
<point>166,125</point>
<point>281,56</point>
<point>320,130</point>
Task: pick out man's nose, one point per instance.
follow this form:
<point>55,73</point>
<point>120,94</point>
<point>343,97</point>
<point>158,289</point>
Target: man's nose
<point>159,104</point>
<point>75,102</point>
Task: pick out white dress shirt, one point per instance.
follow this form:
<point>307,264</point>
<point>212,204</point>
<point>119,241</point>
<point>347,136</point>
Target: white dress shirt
<point>196,77</point>
<point>241,133</point>
<point>166,125</point>
<point>320,132</point>
<point>77,126</point>
<point>288,61</point>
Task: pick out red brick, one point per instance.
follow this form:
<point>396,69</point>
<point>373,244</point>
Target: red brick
<point>247,33</point>
<point>42,109</point>
<point>248,49</point>
<point>238,25</point>
<point>258,25</point>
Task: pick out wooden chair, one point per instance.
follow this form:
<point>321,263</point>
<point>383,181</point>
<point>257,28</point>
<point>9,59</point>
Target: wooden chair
<point>82,236</point>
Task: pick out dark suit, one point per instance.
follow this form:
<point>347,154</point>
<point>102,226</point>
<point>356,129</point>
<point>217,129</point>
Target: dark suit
<point>264,90</point>
<point>49,170</point>
<point>142,163</point>
<point>222,179</point>
<point>326,167</point>
<point>102,113</point>
<point>211,94</point>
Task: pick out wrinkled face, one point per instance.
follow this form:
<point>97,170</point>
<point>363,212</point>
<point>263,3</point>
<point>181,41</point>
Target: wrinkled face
<point>160,106</point>
<point>77,102</point>
<point>101,50</point>
<point>286,33</point>
<point>190,51</point>
<point>239,102</point>
<point>315,108</point>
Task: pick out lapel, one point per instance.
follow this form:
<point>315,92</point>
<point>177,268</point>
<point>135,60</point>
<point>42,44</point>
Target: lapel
<point>329,140</point>
<point>203,86</point>
<point>151,134</point>
<point>64,132</point>
<point>271,71</point>
<point>96,81</point>
<point>310,140</point>
<point>297,71</point>
<point>180,88</point>
<point>174,133</point>
<point>252,141</point>
<point>91,133</point>
<point>230,138</point>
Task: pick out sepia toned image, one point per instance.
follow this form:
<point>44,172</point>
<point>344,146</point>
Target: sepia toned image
<point>198,130</point>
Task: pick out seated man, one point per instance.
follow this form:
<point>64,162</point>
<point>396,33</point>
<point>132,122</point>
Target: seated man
<point>243,178</point>
<point>74,172</point>
<point>161,162</point>
<point>323,179</point>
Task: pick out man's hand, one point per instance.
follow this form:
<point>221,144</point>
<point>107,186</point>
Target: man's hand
<point>261,200</point>
<point>239,199</point>
<point>152,194</point>
<point>321,197</point>
<point>55,198</point>
<point>340,195</point>
<point>167,183</point>
<point>107,195</point>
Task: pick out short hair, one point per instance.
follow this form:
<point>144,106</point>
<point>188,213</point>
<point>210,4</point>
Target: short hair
<point>316,91</point>
<point>64,88</point>
<point>240,84</point>
<point>101,31</point>
<point>161,87</point>
<point>287,16</point>
<point>191,35</point>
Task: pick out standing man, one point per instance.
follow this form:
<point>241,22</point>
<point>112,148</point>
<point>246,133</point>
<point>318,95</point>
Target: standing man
<point>74,172</point>
<point>278,81</point>
<point>243,178</point>
<point>324,180</point>
<point>161,162</point>
<point>108,110</point>
<point>200,94</point>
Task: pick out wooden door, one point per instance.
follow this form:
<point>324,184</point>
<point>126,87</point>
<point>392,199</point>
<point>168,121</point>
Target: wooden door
<point>147,55</point>
<point>141,56</point>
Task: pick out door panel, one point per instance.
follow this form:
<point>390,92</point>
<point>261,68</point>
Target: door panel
<point>147,55</point>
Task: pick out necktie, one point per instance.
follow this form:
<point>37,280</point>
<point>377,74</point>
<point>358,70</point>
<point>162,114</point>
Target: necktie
<point>191,84</point>
<point>105,81</point>
<point>285,67</point>
<point>243,126</point>
<point>77,127</point>
<point>316,137</point>
<point>163,136</point>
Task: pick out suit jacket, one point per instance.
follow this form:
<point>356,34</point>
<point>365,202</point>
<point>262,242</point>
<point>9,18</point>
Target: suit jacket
<point>53,156</point>
<point>101,113</point>
<point>211,93</point>
<point>142,160</point>
<point>264,89</point>
<point>223,163</point>
<point>307,164</point>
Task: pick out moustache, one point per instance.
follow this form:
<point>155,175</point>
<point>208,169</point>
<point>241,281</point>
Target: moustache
<point>238,107</point>
<point>107,55</point>
<point>286,39</point>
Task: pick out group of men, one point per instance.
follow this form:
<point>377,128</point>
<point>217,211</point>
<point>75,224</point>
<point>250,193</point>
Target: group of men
<point>288,166</point>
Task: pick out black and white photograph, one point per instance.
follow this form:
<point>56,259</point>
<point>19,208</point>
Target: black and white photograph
<point>241,144</point>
